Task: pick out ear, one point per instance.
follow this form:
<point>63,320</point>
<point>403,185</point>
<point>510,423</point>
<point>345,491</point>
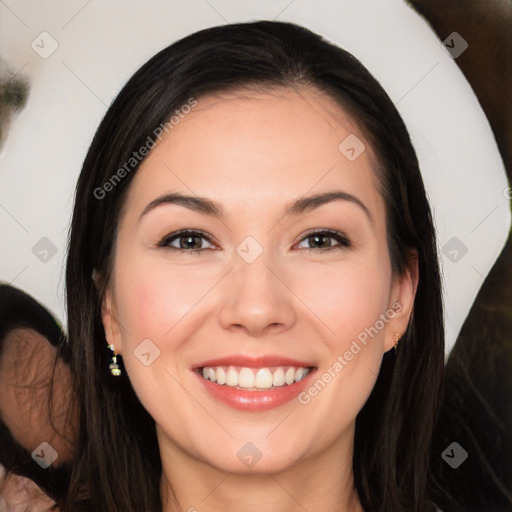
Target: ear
<point>402,297</point>
<point>110,323</point>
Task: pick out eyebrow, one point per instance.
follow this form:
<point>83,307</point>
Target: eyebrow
<point>206,206</point>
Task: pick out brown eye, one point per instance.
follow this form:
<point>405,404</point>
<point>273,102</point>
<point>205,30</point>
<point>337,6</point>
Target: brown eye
<point>188,241</point>
<point>319,240</point>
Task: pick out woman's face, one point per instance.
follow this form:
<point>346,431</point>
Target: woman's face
<point>262,284</point>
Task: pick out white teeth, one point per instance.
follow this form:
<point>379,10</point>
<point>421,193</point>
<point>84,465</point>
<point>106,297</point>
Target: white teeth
<point>252,378</point>
<point>232,377</point>
<point>221,376</point>
<point>290,375</point>
<point>278,377</point>
<point>246,378</point>
<point>263,379</point>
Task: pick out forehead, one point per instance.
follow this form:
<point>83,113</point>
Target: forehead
<point>269,146</point>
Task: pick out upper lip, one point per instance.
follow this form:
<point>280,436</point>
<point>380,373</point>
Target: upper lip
<point>262,361</point>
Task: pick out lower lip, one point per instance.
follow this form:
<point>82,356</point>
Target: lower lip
<point>255,400</point>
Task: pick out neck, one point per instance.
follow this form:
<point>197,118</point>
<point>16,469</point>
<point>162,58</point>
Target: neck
<point>321,482</point>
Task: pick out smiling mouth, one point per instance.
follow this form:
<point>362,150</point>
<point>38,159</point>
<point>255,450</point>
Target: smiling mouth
<point>254,379</point>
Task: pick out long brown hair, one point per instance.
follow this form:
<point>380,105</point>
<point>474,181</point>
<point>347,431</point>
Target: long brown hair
<point>118,464</point>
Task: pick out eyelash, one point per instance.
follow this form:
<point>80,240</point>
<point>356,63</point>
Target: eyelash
<point>343,241</point>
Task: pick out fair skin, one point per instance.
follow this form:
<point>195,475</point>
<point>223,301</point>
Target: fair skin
<point>255,153</point>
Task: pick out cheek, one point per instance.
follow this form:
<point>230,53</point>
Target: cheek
<point>347,299</point>
<point>351,305</point>
<point>154,296</point>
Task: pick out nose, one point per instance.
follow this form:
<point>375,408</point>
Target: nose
<point>256,298</point>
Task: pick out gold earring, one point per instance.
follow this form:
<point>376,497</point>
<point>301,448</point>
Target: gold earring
<point>396,337</point>
<point>113,366</point>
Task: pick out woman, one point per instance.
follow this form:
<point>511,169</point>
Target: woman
<point>250,239</point>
